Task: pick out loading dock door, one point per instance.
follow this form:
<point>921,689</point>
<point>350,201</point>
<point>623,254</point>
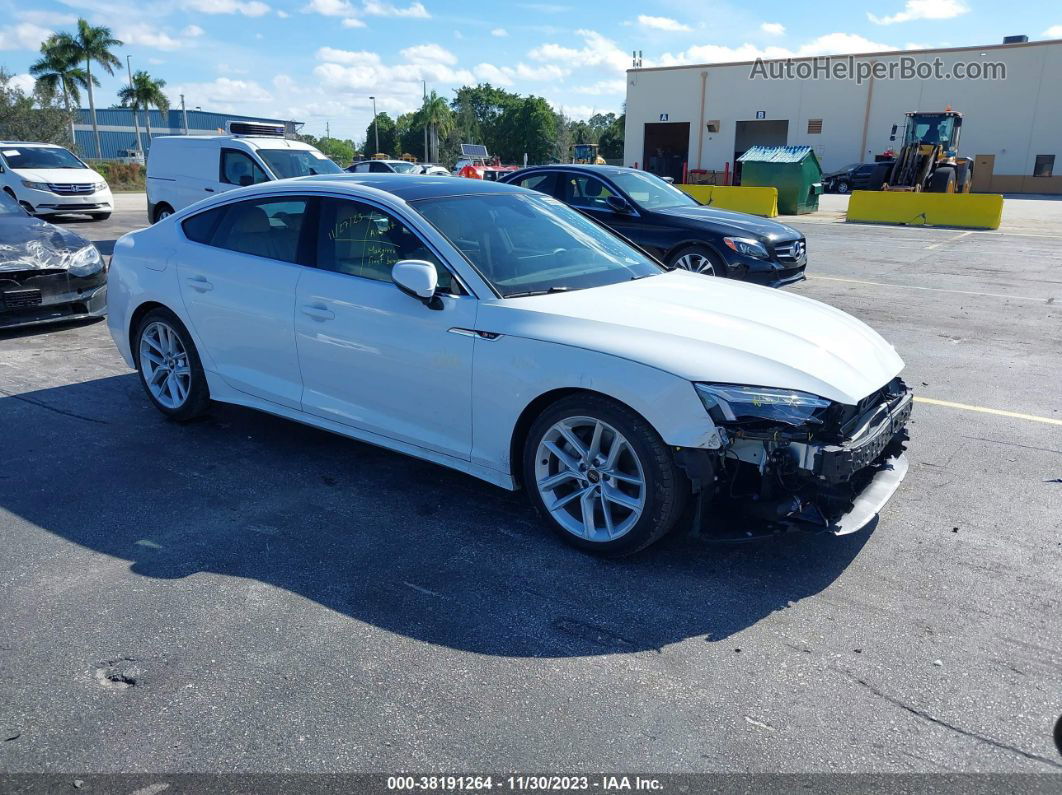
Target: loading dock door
<point>765,132</point>
<point>667,147</point>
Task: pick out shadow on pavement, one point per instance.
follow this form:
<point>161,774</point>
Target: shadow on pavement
<point>404,545</point>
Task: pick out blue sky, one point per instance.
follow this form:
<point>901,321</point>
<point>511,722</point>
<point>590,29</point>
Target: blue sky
<point>320,60</point>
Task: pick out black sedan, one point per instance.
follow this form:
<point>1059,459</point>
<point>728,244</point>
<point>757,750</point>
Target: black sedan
<point>858,176</point>
<point>47,273</point>
<point>672,226</point>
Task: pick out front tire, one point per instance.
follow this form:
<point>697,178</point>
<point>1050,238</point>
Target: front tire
<point>602,476</point>
<point>843,187</point>
<point>169,366</point>
<point>698,259</point>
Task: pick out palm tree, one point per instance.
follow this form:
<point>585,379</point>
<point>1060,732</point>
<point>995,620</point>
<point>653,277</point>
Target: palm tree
<point>93,44</point>
<point>58,71</point>
<point>439,119</point>
<point>144,94</point>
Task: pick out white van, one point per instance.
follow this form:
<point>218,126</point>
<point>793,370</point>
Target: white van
<point>182,169</point>
<point>47,179</point>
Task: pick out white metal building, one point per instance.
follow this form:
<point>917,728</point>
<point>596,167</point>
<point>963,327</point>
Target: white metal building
<point>704,116</point>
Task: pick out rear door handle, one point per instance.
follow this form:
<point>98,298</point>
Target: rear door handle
<point>209,190</point>
<point>199,283</point>
<point>318,312</point>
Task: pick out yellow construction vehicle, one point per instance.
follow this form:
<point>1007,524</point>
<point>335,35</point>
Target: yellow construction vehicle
<point>586,154</point>
<point>929,158</point>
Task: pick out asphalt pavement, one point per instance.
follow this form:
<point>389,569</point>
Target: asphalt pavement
<point>244,593</point>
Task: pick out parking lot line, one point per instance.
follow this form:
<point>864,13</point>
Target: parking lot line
<point>986,410</point>
<point>1040,300</point>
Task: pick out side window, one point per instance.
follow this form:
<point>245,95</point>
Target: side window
<point>200,228</point>
<point>863,171</point>
<point>361,168</point>
<point>263,227</point>
<point>360,240</point>
<point>379,168</point>
<point>587,191</point>
<point>543,183</point>
<point>237,168</point>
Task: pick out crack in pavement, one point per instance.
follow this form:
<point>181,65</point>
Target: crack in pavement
<point>938,722</point>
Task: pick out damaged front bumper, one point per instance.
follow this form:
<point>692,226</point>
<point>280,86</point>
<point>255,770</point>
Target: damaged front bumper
<point>770,483</point>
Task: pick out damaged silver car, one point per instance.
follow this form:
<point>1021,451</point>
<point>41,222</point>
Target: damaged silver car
<point>47,273</point>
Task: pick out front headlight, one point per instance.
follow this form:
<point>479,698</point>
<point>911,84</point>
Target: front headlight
<point>729,404</point>
<point>98,186</point>
<point>86,262</point>
<point>35,185</point>
<point>750,248</point>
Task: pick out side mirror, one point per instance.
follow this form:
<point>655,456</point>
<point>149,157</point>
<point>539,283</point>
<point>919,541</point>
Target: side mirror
<point>417,278</point>
<point>618,204</point>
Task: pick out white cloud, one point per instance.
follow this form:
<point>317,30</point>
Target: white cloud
<point>380,9</point>
<point>773,28</point>
<point>500,33</point>
<point>1054,32</point>
<point>488,72</point>
<point>348,57</point>
<point>282,13</point>
<point>828,44</point>
<point>923,9</point>
<point>46,17</point>
<point>24,36</point>
<point>147,36</point>
<point>224,92</point>
<point>662,23</point>
<point>618,86</point>
<point>429,54</point>
<point>249,8</point>
<point>356,72</point>
<point>283,82</point>
<point>353,22</point>
<point>330,8</point>
<point>576,112</point>
<point>24,82</point>
<point>546,72</point>
<point>596,51</point>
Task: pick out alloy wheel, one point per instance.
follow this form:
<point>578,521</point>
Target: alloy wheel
<point>164,365</point>
<point>698,263</point>
<point>590,479</point>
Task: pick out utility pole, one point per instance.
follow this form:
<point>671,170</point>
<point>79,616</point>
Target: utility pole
<point>136,124</point>
<point>184,115</point>
<point>328,130</point>
<point>427,155</point>
<point>375,124</point>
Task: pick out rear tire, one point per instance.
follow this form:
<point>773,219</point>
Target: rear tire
<point>698,259</point>
<point>169,366</point>
<point>601,476</point>
<point>943,180</point>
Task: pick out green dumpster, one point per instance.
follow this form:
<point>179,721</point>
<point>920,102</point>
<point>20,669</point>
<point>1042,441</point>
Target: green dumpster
<point>794,170</point>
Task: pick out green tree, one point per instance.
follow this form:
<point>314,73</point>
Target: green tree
<point>339,151</point>
<point>439,119</point>
<point>39,116</point>
<point>93,45</point>
<point>388,139</point>
<point>527,126</point>
<point>144,94</point>
<point>611,140</point>
<point>478,111</point>
<point>409,130</point>
<point>58,72</point>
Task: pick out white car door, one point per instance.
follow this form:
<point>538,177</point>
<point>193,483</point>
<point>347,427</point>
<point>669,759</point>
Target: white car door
<point>238,274</point>
<point>373,357</point>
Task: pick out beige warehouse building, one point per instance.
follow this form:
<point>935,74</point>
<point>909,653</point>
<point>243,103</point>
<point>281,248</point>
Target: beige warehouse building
<point>704,116</point>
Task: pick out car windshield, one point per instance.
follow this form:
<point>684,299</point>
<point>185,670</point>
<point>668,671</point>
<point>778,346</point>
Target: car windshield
<point>405,168</point>
<point>298,162</point>
<point>40,157</point>
<point>650,192</point>
<point>526,244</point>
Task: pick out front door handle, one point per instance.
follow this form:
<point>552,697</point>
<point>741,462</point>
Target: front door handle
<point>209,190</point>
<point>199,283</point>
<point>318,312</point>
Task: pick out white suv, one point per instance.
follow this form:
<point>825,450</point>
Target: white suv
<point>48,180</point>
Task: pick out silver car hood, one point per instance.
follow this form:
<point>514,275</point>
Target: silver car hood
<point>709,329</point>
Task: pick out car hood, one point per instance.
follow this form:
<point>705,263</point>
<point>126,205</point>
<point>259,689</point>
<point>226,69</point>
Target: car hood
<point>709,329</point>
<point>61,176</point>
<point>726,221</point>
<point>32,244</point>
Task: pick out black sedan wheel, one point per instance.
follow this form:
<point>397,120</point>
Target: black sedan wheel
<point>843,187</point>
<point>698,259</point>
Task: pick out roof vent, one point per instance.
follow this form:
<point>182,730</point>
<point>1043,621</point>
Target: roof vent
<point>262,128</point>
<point>1015,39</point>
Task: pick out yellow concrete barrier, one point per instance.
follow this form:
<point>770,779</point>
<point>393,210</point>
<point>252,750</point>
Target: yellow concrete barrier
<point>967,210</point>
<point>752,200</point>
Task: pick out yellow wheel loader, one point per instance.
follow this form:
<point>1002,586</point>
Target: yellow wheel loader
<point>929,159</point>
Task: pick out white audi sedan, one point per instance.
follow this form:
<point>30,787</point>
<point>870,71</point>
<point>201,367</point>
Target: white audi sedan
<point>494,330</point>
